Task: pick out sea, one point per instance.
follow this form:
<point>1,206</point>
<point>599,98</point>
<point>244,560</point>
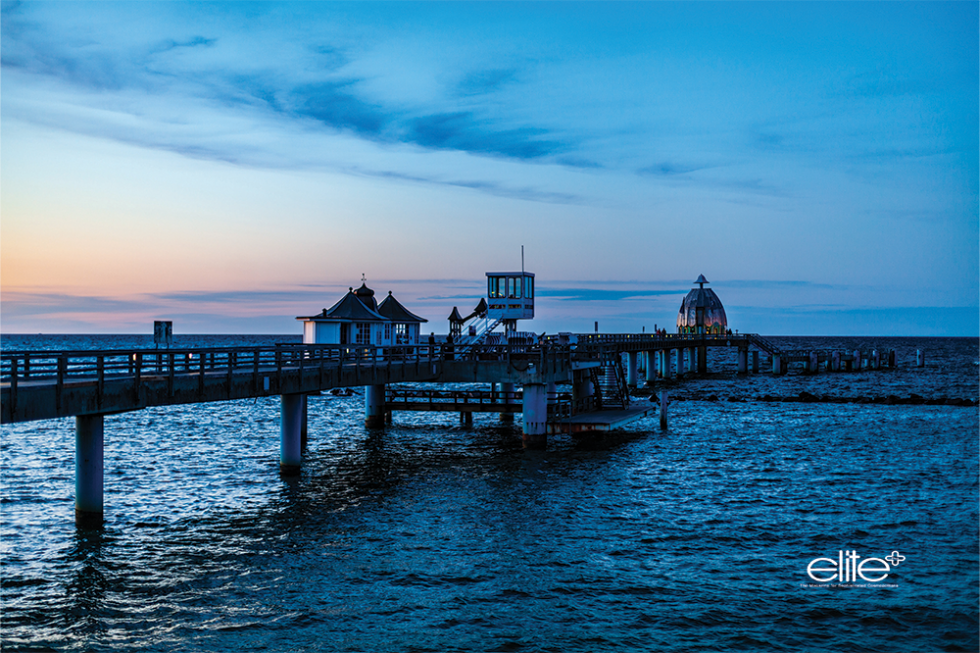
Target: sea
<point>719,533</point>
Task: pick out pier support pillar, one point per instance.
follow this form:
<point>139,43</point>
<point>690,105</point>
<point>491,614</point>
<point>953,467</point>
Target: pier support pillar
<point>374,406</point>
<point>743,361</point>
<point>508,391</point>
<point>891,359</point>
<point>663,410</point>
<point>777,364</point>
<point>466,418</point>
<point>535,415</point>
<point>835,361</point>
<point>875,359</point>
<point>290,433</point>
<point>814,362</point>
<point>857,360</point>
<point>581,391</point>
<point>89,430</point>
<point>702,359</point>
<point>631,365</point>
<point>755,362</point>
<point>652,363</point>
<point>304,429</point>
<point>680,362</point>
<point>920,358</point>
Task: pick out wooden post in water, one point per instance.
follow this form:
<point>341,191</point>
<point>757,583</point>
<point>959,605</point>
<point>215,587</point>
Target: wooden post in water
<point>920,358</point>
<point>755,361</point>
<point>857,360</point>
<point>777,364</point>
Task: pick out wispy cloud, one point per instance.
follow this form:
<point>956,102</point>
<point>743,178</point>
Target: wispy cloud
<point>483,82</point>
<point>317,95</point>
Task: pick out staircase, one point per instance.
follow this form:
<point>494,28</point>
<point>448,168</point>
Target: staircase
<point>762,343</point>
<point>468,342</point>
<point>609,384</point>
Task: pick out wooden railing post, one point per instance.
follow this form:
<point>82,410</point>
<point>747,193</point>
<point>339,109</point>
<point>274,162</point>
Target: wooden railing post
<point>170,374</point>
<point>100,388</point>
<point>138,372</point>
<point>13,383</point>
<point>200,374</point>
<point>60,384</point>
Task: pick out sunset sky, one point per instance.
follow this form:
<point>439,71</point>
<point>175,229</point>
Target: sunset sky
<point>232,166</point>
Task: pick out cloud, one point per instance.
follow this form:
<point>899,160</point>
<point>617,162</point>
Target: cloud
<point>195,95</point>
<point>333,104</point>
<point>463,131</point>
<point>671,169</point>
<point>489,187</point>
<point>485,81</point>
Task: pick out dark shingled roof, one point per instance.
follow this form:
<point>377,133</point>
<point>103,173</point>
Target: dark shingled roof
<point>349,308</point>
<point>394,311</point>
<point>366,295</point>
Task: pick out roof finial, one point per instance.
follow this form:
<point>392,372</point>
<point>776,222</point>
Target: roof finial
<point>363,278</point>
<point>701,281</point>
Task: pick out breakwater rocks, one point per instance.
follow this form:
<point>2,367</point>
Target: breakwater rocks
<point>809,398</point>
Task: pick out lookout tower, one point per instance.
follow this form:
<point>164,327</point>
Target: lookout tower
<point>701,311</point>
<point>510,297</point>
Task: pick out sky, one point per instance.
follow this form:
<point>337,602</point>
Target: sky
<point>232,166</point>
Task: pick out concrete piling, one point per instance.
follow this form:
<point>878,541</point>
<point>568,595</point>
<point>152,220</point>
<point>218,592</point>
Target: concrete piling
<point>535,415</point>
<point>89,441</point>
<point>508,390</point>
<point>920,358</point>
<point>290,434</point>
<point>663,410</point>
<point>652,362</point>
<point>374,406</point>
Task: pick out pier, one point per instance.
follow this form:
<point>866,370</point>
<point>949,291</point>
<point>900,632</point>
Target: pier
<point>599,368</point>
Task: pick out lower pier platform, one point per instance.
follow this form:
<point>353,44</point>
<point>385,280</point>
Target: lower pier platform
<point>600,420</point>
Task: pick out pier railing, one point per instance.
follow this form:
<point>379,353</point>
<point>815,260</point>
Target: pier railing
<point>100,365</point>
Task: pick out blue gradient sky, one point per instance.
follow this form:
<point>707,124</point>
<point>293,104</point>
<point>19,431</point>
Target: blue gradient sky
<point>231,166</point>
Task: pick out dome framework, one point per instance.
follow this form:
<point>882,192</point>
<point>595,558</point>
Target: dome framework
<point>701,311</point>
